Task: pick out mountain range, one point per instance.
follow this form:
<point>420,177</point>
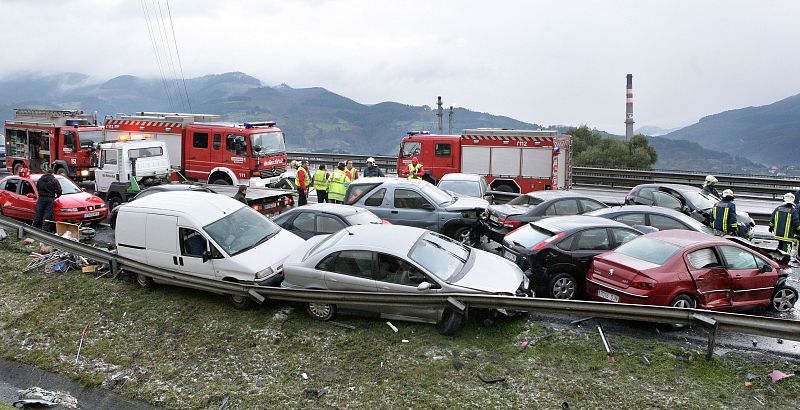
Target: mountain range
<point>316,119</point>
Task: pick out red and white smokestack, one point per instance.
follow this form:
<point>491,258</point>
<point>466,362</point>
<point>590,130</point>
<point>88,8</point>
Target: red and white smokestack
<point>629,108</point>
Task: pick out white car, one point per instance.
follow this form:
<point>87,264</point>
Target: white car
<point>399,259</point>
<point>205,235</point>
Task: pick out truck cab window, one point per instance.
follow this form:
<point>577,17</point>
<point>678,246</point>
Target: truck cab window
<point>200,140</point>
<point>410,149</point>
<point>70,140</point>
<point>442,150</point>
<point>109,157</point>
<point>192,243</point>
<point>236,144</point>
<point>217,141</point>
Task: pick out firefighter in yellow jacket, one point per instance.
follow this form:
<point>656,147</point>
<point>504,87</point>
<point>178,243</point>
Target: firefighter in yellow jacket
<point>337,185</point>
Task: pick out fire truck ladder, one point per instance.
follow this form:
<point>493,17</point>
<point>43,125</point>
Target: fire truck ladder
<point>39,113</point>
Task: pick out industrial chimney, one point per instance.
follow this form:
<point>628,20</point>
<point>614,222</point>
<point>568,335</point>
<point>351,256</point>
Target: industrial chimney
<point>629,108</point>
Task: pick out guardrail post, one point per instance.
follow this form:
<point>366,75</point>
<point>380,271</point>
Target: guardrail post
<point>114,268</point>
<point>711,326</point>
<point>20,233</point>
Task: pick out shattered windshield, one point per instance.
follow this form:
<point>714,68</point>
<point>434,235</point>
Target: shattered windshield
<point>242,230</point>
<point>270,142</point>
<point>439,255</point>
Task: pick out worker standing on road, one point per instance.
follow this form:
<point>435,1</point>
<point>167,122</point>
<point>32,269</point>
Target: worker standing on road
<point>709,186</point>
<point>351,172</point>
<point>723,215</point>
<point>785,223</point>
<point>415,170</point>
<point>371,170</point>
<point>49,189</point>
<point>241,195</point>
<point>320,182</point>
<point>302,180</point>
<point>337,185</point>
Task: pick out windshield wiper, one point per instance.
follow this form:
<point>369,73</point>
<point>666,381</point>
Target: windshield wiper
<point>436,245</point>
<point>260,241</point>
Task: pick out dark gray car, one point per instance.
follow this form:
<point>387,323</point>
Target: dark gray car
<point>414,202</point>
<point>657,217</point>
<point>322,219</point>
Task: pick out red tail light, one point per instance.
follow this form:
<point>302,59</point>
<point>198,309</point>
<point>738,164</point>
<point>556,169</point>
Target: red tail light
<point>547,241</point>
<point>385,222</point>
<point>510,223</point>
<point>644,284</point>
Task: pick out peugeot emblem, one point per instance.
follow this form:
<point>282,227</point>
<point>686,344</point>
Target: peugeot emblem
<point>611,272</point>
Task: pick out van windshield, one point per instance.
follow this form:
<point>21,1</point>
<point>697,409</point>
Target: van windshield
<point>242,230</point>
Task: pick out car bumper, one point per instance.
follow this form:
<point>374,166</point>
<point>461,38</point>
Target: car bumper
<point>80,217</point>
<point>602,292</point>
<point>272,281</point>
<point>493,232</point>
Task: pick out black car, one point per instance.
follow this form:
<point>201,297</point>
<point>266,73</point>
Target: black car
<point>533,206</point>
<point>112,216</point>
<point>322,219</point>
<point>687,199</point>
<point>657,217</point>
<point>556,253</point>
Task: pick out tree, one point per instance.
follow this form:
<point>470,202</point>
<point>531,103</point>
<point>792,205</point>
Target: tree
<point>589,148</point>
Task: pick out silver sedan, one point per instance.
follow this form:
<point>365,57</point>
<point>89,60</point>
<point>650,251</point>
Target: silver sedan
<point>399,259</point>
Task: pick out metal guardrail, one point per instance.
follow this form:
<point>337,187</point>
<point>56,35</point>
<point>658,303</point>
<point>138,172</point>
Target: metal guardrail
<point>754,186</point>
<point>772,327</point>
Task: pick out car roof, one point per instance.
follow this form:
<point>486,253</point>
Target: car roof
<point>554,194</point>
<point>34,177</point>
<point>394,239</point>
<point>174,187</point>
<point>390,180</point>
<point>337,209</point>
<point>653,209</point>
<point>457,176</point>
<point>200,206</point>
<point>676,187</point>
<point>573,222</point>
<point>684,238</point>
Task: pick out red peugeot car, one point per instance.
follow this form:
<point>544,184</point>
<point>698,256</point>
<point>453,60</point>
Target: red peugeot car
<point>18,200</point>
<point>691,269</point>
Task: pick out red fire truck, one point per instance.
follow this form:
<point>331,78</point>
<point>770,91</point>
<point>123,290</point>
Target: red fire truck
<point>204,149</point>
<point>511,160</point>
<point>62,140</point>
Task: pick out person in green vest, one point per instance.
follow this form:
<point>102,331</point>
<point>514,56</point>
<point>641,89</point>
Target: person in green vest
<point>303,181</point>
<point>337,185</point>
<point>320,183</point>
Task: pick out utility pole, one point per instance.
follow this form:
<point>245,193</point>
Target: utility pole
<point>629,107</point>
<point>440,115</point>
<point>450,119</point>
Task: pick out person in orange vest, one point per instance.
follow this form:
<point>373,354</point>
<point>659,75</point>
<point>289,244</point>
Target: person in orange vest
<point>351,172</point>
<point>415,170</point>
<point>302,180</point>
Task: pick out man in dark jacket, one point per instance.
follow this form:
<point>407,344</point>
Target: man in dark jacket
<point>371,170</point>
<point>785,223</point>
<point>709,186</point>
<point>49,189</point>
<point>723,215</point>
<point>241,195</point>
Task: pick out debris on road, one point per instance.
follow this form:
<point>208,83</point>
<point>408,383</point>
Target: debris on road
<point>748,384</point>
<point>405,341</point>
<point>777,375</point>
<point>344,325</point>
<point>755,343</point>
<point>3,234</point>
<point>28,241</point>
<point>606,345</point>
<point>305,376</point>
<point>317,392</point>
<point>224,403</point>
<point>491,380</point>
<point>579,321</point>
<point>759,401</point>
<point>393,327</point>
<point>646,360</point>
<point>80,344</point>
<point>457,364</point>
<point>37,396</point>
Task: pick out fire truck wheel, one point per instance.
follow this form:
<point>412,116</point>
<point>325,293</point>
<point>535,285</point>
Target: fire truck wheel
<point>221,181</point>
<point>113,202</point>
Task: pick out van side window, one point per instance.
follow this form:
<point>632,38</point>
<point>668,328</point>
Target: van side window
<point>192,243</point>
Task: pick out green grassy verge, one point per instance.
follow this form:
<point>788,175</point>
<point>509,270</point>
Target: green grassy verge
<point>185,349</point>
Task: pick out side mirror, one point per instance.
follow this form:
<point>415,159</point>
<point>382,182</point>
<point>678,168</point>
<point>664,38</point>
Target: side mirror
<point>423,286</point>
<point>257,148</point>
<point>31,196</point>
<point>206,256</point>
<point>428,207</point>
<point>766,268</point>
<point>489,197</point>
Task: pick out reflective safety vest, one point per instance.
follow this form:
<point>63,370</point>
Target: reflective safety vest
<point>306,178</point>
<point>785,222</point>
<point>351,173</point>
<point>723,218</point>
<point>337,185</point>
<point>412,171</point>
<point>321,180</point>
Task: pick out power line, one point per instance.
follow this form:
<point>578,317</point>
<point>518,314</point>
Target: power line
<point>158,58</point>
<point>173,72</point>
<point>178,54</point>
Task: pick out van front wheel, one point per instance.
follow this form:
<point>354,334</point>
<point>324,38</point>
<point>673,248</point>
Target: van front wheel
<point>144,282</point>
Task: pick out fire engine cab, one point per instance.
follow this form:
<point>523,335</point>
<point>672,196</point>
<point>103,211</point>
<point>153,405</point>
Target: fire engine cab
<point>62,140</point>
<point>204,149</point>
<point>518,161</point>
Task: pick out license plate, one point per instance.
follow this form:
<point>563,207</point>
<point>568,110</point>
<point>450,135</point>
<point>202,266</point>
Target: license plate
<point>607,296</point>
<point>91,214</point>
<point>510,256</point>
<point>493,218</point>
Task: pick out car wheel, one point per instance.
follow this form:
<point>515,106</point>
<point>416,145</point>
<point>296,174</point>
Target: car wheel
<point>321,311</point>
<point>683,302</point>
<point>563,286</point>
<point>240,302</point>
<point>784,298</point>
<point>451,322</point>
<point>221,181</point>
<point>463,235</point>
<point>144,282</point>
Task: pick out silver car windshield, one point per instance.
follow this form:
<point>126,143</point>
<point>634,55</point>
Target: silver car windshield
<point>436,194</point>
<point>439,255</point>
<point>242,230</point>
<point>463,188</point>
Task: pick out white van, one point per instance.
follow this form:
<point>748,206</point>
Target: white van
<point>205,235</point>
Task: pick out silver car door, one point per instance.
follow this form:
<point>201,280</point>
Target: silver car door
<point>395,275</point>
<point>350,270</point>
<point>378,204</point>
<point>411,208</point>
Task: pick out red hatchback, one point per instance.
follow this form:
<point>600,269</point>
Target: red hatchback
<point>18,200</point>
<point>690,269</point>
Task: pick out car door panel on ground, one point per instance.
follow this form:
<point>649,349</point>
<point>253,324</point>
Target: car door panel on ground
<point>710,277</point>
<point>748,283</point>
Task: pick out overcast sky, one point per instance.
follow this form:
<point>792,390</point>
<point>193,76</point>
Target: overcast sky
<point>549,62</point>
